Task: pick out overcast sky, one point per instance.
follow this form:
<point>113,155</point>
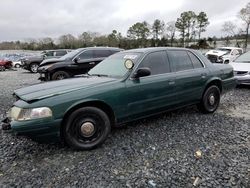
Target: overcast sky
<point>23,19</point>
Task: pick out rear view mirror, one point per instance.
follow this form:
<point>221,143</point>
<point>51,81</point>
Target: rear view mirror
<point>142,72</point>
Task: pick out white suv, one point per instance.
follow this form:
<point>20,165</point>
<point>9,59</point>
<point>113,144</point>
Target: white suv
<point>224,55</point>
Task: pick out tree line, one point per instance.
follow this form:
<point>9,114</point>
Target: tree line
<point>186,31</point>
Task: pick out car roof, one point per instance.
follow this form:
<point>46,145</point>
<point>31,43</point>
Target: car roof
<point>152,49</point>
<point>100,48</point>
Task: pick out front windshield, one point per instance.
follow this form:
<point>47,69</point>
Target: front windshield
<point>244,58</point>
<point>224,50</point>
<point>114,66</point>
<point>71,54</point>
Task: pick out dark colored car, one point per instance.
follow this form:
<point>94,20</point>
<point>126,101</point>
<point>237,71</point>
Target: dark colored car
<point>5,64</point>
<point>126,86</point>
<point>77,62</point>
<point>31,63</point>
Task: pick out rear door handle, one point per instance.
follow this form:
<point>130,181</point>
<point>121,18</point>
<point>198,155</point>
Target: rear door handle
<point>92,63</point>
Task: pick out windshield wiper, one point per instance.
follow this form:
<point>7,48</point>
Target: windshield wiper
<point>99,75</point>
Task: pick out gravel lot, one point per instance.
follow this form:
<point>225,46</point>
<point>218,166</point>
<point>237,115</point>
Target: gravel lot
<point>154,152</point>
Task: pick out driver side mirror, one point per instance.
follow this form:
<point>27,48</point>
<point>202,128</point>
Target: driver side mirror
<point>142,72</point>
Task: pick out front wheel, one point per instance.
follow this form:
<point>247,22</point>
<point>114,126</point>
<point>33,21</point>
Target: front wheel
<point>2,68</point>
<point>210,100</point>
<point>60,75</point>
<point>34,67</point>
<point>86,128</point>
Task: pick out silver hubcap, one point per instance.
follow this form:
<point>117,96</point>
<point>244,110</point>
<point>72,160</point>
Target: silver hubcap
<point>87,129</point>
<point>34,68</point>
<point>211,99</point>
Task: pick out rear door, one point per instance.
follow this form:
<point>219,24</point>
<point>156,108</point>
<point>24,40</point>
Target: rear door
<point>191,75</point>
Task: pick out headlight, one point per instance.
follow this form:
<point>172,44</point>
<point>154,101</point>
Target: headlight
<point>21,114</point>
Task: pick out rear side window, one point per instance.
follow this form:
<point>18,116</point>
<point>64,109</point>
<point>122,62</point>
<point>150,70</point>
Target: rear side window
<point>86,55</point>
<point>101,53</point>
<point>196,62</point>
<point>60,53</point>
<point>180,60</point>
<point>157,62</point>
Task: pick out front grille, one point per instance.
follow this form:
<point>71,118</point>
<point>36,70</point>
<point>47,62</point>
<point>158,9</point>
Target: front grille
<point>212,58</point>
<point>240,73</point>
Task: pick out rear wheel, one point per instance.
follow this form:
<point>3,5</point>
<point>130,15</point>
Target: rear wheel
<point>210,100</point>
<point>60,75</point>
<point>34,67</point>
<point>86,128</point>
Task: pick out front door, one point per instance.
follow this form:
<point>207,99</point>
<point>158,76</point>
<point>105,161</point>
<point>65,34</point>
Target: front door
<point>154,93</point>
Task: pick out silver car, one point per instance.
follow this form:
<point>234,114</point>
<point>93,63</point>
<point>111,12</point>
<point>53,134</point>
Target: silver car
<point>241,67</point>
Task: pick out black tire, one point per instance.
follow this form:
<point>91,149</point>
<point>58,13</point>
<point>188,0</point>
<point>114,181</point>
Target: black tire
<point>75,131</point>
<point>2,68</point>
<point>17,66</point>
<point>210,100</point>
<point>33,67</point>
<point>226,62</point>
<point>60,75</point>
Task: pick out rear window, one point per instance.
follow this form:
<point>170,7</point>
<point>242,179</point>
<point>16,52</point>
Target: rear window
<point>196,62</point>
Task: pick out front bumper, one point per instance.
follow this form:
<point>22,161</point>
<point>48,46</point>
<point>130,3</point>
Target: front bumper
<point>44,75</point>
<point>42,130</point>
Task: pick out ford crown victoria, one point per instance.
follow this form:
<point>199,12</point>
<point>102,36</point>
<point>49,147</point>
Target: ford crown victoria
<point>126,86</point>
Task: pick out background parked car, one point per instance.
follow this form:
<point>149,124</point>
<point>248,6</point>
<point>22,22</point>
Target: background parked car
<point>77,62</point>
<point>224,55</point>
<point>241,67</point>
<point>17,64</point>
<point>5,64</point>
<point>31,63</point>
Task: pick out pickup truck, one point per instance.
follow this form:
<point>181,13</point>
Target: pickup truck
<point>224,55</point>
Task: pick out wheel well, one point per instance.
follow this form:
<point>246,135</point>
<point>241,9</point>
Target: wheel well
<point>215,82</point>
<point>60,69</point>
<point>98,104</point>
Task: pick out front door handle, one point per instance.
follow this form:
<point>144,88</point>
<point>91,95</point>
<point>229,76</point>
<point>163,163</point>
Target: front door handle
<point>92,63</point>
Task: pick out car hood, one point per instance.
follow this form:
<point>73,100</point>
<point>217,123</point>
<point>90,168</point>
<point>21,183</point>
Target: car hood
<point>241,66</point>
<point>51,61</point>
<point>53,88</point>
<point>216,52</point>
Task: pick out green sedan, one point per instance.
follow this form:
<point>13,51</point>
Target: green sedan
<point>127,86</point>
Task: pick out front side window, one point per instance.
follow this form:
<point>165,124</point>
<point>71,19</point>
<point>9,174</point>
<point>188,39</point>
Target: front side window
<point>86,55</point>
<point>196,62</point>
<point>157,62</point>
<point>180,60</point>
